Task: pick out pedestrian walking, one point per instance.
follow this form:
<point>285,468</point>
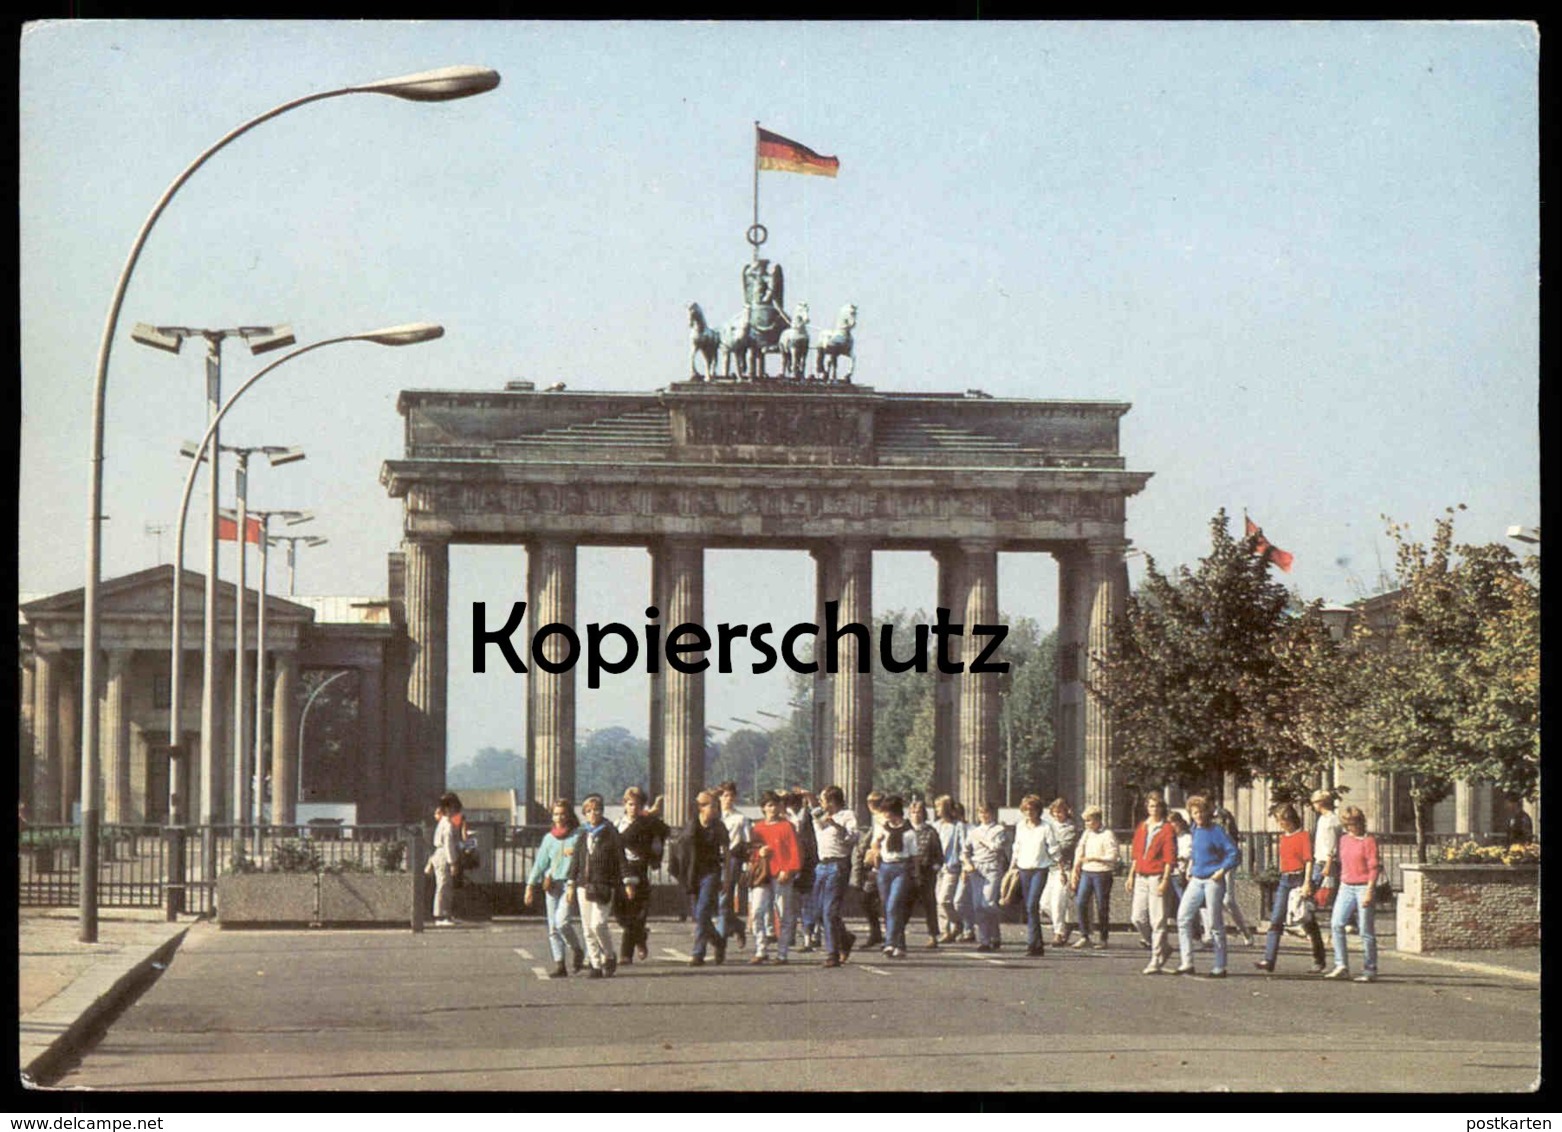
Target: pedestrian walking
<point>643,835</point>
<point>1095,858</point>
<point>442,865</point>
<point>1154,854</point>
<point>775,848</point>
<point>1359,867</point>
<point>1295,859</point>
<point>951,837</point>
<point>986,859</point>
<point>551,870</point>
<point>1323,882</point>
<point>803,886</point>
<point>894,852</point>
<point>705,844</point>
<point>836,830</point>
<point>929,867</point>
<point>865,871</point>
<point>1035,857</point>
<point>1234,917</point>
<point>734,894</point>
<point>598,876</point>
<point>1056,899</point>
<point>1211,858</point>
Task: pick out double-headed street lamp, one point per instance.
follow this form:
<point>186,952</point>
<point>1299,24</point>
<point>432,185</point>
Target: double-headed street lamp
<point>441,85</point>
<point>292,551</point>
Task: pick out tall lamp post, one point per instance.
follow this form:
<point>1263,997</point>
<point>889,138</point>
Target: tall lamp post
<point>258,783</point>
<point>292,551</point>
<point>278,455</point>
<point>428,86</point>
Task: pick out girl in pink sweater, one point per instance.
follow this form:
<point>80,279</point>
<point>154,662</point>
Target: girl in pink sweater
<point>1358,856</point>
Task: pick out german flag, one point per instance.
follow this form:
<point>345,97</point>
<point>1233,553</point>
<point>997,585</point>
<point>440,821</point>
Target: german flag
<point>1266,549</point>
<point>782,155</point>
<point>228,529</point>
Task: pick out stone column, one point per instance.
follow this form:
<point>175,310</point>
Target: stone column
<point>371,743</point>
<point>978,726</point>
<point>656,769</point>
<point>45,802</point>
<point>114,728</point>
<point>428,604</point>
<point>946,685</point>
<point>284,740</point>
<point>1472,808</point>
<point>1109,593</point>
<point>70,704</point>
<point>550,598</point>
<point>826,588</point>
<point>24,731</point>
<point>853,689</point>
<point>683,729</point>
<point>1074,601</point>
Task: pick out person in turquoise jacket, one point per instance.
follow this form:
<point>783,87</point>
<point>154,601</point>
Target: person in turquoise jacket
<point>551,871</point>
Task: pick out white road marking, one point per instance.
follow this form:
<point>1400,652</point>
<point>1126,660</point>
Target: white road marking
<point>874,970</point>
<point>681,956</point>
<point>540,972</point>
<point>524,954</point>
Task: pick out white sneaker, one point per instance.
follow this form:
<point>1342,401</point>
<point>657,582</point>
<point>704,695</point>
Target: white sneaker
<point>1152,969</point>
<point>444,923</point>
<point>1366,979</point>
<point>1339,973</point>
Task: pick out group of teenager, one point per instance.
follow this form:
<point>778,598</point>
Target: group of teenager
<point>791,870</point>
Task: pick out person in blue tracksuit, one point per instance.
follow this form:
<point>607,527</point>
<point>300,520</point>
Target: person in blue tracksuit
<point>1214,856</point>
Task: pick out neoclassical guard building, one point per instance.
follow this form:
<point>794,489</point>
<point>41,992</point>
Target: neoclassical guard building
<point>836,469</point>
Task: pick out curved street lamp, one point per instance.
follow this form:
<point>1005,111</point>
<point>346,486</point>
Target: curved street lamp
<point>441,85</point>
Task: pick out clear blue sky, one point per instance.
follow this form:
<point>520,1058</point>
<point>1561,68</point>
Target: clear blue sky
<point>1306,253</point>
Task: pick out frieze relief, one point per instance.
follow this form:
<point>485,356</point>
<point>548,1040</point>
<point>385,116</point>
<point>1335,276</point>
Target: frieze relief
<point>885,505</point>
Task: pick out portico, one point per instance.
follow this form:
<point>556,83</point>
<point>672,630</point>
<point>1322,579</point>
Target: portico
<point>837,470</point>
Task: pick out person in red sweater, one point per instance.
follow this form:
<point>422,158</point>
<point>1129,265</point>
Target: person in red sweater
<point>1296,852</point>
<point>1149,881</point>
<point>1358,876</point>
<point>775,843</point>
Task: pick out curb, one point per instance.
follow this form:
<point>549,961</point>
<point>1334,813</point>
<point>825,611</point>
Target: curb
<point>107,989</point>
<point>1473,967</point>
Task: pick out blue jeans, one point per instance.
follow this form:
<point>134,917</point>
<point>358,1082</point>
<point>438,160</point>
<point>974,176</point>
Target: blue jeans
<point>1098,885</point>
<point>728,922</point>
<point>706,897</point>
<point>1277,923</point>
<point>894,894</point>
<point>563,927</point>
<point>1032,882</point>
<point>1348,903</point>
<point>1209,894</point>
<point>829,883</point>
<point>983,886</point>
<point>808,910</point>
<point>771,900</point>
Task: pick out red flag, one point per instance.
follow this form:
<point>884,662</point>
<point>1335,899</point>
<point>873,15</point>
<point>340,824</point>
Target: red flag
<point>1266,549</point>
<point>228,529</point>
<point>772,151</point>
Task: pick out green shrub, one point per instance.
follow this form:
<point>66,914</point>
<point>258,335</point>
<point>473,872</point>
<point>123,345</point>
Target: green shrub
<point>390,856</point>
<point>296,857</point>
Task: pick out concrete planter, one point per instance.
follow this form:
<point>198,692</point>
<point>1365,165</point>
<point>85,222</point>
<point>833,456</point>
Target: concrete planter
<point>268,898</point>
<point>363,898</point>
<point>1455,907</point>
<point>256,899</point>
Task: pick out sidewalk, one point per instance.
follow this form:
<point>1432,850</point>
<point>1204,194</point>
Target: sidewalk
<point>65,987</point>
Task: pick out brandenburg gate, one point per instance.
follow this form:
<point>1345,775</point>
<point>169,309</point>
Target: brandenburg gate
<point>834,468</point>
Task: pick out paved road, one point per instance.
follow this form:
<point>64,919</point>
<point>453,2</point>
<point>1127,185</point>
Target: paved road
<point>466,1009</point>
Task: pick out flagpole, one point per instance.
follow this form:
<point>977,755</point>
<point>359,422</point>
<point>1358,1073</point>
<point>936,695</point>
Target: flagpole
<point>756,189</point>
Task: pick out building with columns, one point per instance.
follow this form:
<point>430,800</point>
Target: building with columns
<point>136,612</point>
<point>839,470</point>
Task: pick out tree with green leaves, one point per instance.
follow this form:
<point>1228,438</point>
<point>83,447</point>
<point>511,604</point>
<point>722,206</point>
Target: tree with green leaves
<point>1451,690</point>
<point>1194,675</point>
